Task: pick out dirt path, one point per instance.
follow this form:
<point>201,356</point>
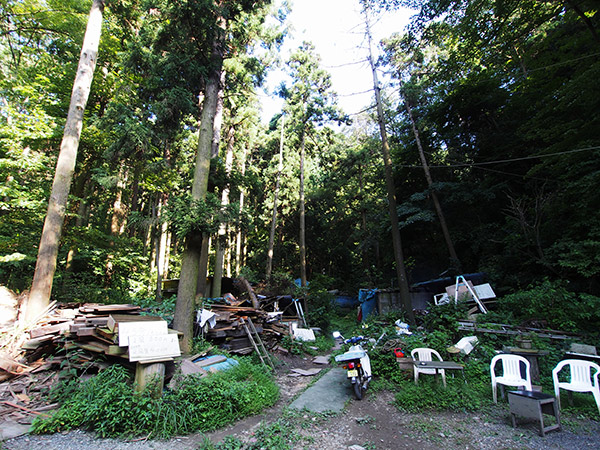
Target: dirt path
<point>373,423</point>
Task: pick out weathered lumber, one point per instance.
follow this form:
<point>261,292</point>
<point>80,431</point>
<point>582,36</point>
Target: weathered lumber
<point>210,361</point>
<point>115,319</point>
<point>49,329</point>
<point>246,284</point>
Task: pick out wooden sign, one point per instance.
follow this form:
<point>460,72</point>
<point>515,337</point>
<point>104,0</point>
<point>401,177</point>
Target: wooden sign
<point>152,347</point>
<point>150,328</point>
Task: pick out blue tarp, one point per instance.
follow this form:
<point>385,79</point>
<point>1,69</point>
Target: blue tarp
<point>368,301</point>
<point>346,301</point>
<point>223,365</point>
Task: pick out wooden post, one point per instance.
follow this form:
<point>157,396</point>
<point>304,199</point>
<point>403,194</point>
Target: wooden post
<point>146,375</point>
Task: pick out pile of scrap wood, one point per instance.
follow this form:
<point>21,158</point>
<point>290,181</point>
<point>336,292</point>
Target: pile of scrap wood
<point>230,334</point>
<point>90,327</point>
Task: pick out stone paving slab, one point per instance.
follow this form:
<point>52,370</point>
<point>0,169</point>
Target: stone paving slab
<point>329,393</point>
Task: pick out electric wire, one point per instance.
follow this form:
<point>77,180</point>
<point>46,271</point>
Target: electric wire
<point>500,161</point>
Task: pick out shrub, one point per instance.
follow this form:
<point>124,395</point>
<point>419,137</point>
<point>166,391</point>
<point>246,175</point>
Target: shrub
<point>551,302</point>
<point>429,395</point>
<point>108,405</point>
<point>319,303</point>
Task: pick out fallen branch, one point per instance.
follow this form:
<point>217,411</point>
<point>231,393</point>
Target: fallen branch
<point>30,411</point>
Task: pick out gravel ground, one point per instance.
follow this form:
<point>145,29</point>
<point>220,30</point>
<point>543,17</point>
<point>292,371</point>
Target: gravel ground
<point>373,423</point>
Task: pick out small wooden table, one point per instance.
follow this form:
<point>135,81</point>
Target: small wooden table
<point>439,365</point>
<point>533,405</point>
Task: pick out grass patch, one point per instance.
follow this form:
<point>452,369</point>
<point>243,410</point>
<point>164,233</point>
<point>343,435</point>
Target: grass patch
<point>431,396</point>
<point>282,434</point>
<point>108,405</point>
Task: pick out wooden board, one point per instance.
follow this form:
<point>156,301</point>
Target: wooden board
<point>211,360</point>
<point>97,308</point>
<point>97,347</point>
<point>52,329</point>
<point>115,319</point>
<point>148,328</point>
<point>115,350</point>
<point>151,347</point>
<point>86,331</point>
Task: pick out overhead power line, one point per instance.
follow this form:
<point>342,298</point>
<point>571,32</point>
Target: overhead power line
<point>500,161</point>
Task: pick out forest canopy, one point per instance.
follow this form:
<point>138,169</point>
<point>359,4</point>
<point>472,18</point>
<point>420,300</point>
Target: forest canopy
<point>499,99</point>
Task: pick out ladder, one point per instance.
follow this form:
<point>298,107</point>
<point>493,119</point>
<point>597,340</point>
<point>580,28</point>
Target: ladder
<point>257,342</point>
<point>300,311</point>
<point>460,281</point>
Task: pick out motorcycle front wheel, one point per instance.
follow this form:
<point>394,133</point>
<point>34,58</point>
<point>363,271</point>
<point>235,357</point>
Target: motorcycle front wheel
<point>358,389</point>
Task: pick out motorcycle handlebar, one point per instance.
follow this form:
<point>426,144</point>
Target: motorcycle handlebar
<point>354,340</point>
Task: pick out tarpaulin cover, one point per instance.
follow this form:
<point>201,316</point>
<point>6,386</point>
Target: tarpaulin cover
<point>346,301</point>
<point>224,365</point>
<point>368,301</point>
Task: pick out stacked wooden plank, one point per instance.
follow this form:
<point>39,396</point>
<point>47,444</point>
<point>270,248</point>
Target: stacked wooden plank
<point>229,334</point>
<point>85,326</point>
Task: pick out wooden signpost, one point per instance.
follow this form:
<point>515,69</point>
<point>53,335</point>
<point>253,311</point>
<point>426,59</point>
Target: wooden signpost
<point>150,345</point>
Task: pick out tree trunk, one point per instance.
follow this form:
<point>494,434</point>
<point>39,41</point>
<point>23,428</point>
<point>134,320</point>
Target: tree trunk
<point>275,196</point>
<point>238,240</point>
<point>303,278</point>
<point>203,266</point>
<point>222,234</point>
<point>188,280</point>
<point>135,188</point>
<point>253,298</point>
<point>434,197</point>
<point>41,288</point>
<point>117,224</point>
<point>79,222</point>
<point>216,140</point>
<point>160,243</point>
<point>391,189</point>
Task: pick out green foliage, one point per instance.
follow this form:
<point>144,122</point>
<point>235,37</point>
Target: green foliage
<point>203,216</point>
<point>108,405</point>
<point>384,366</point>
<point>551,302</point>
<point>89,278</point>
<point>319,303</point>
<point>321,344</point>
<point>445,317</point>
<point>281,282</point>
<point>430,395</point>
<point>164,308</point>
<point>281,434</point>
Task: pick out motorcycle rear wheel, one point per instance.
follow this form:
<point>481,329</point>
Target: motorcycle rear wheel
<point>358,389</point>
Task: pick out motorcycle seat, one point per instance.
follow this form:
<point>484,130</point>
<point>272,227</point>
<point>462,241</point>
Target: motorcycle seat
<point>349,356</point>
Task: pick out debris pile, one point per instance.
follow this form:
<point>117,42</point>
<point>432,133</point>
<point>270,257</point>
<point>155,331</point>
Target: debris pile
<point>229,333</point>
<point>63,327</point>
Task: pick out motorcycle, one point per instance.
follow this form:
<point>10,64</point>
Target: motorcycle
<point>356,361</point>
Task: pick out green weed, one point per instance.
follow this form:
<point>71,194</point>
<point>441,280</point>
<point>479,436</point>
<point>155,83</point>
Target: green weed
<point>108,405</point>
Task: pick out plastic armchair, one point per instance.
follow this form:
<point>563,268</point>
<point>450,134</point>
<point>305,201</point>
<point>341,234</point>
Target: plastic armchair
<point>581,378</point>
<point>511,373</point>
<point>426,354</point>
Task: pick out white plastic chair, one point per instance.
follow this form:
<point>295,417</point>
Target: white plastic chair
<point>511,373</point>
<point>581,378</point>
<point>425,354</point>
